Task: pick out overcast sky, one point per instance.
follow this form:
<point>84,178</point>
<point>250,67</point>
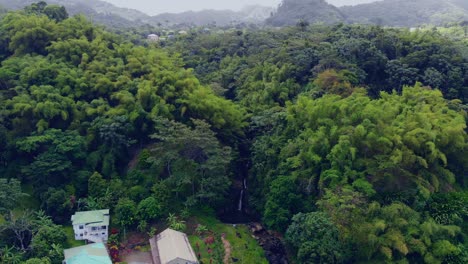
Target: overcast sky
<point>175,6</point>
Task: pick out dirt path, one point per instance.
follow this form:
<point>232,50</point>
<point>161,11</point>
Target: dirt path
<point>227,250</point>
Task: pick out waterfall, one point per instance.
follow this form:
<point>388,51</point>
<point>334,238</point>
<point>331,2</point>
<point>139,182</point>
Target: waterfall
<point>239,208</point>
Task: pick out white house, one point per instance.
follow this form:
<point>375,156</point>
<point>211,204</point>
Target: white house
<point>153,37</point>
<point>172,247</point>
<point>91,225</point>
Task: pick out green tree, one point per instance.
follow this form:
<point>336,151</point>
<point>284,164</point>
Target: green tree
<point>9,255</point>
<point>282,203</point>
<point>149,209</point>
<point>316,239</point>
<point>56,13</point>
<point>97,186</point>
<point>44,240</point>
<point>192,160</point>
<point>10,194</point>
<point>125,213</point>
<point>29,34</point>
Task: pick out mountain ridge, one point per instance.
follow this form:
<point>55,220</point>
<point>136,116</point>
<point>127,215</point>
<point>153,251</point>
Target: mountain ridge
<point>110,15</point>
<point>385,12</point>
<point>407,13</point>
<point>291,12</point>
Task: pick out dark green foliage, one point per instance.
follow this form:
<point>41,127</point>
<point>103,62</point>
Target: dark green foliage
<point>33,234</point>
<point>281,204</point>
<point>97,186</point>
<point>449,208</point>
<point>53,12</point>
<point>316,239</point>
<point>192,161</point>
<point>10,194</point>
<point>57,203</point>
<point>149,209</point>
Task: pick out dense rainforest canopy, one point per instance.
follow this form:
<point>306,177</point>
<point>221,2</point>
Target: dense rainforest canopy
<point>354,136</point>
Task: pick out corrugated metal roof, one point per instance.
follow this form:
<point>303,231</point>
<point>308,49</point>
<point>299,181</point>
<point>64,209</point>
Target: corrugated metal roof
<point>173,245</point>
<point>88,254</point>
<point>87,217</point>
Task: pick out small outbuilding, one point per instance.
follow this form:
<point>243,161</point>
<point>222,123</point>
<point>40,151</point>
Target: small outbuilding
<point>89,254</point>
<point>153,37</point>
<point>172,247</point>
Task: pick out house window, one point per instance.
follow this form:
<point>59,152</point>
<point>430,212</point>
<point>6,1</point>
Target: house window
<point>81,227</point>
<point>93,228</point>
<point>81,235</point>
<point>103,227</point>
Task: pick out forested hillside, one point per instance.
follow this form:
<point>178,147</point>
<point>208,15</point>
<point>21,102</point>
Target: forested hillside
<point>349,142</point>
<point>77,102</point>
<point>354,152</point>
<point>97,11</point>
<point>104,13</point>
<point>290,12</point>
<point>250,14</point>
<point>401,13</point>
<point>408,13</point>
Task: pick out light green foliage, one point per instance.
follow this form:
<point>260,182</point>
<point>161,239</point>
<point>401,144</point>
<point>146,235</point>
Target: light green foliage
<point>175,223</point>
<point>349,151</point>
<point>74,99</point>
<point>38,261</point>
<point>398,142</point>
<point>29,34</point>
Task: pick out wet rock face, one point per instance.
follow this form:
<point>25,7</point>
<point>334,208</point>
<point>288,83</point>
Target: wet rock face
<point>271,244</point>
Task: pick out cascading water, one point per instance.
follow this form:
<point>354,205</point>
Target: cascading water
<point>238,211</point>
<point>241,196</point>
<point>239,207</point>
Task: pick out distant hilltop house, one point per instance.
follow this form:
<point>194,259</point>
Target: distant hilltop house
<point>172,247</point>
<point>90,254</point>
<point>153,37</point>
<point>91,225</point>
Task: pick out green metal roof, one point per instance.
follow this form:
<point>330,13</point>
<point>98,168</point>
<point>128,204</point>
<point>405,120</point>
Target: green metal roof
<point>100,217</point>
<point>89,254</point>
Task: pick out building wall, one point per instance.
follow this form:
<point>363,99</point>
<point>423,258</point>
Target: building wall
<point>88,233</point>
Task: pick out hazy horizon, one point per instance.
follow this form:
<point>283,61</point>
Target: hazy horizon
<point>153,7</point>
